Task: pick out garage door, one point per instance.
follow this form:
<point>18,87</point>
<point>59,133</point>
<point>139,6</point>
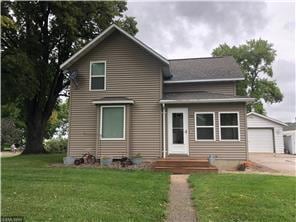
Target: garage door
<point>260,140</point>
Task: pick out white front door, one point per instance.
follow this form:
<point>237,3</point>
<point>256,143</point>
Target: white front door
<point>178,131</point>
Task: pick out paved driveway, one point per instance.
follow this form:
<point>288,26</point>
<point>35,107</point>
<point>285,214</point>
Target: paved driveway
<point>9,154</point>
<point>282,163</point>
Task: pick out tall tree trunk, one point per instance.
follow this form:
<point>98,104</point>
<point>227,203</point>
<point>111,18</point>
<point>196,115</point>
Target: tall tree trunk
<point>36,123</point>
<point>37,115</point>
<point>34,138</point>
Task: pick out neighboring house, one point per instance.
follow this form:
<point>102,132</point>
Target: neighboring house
<point>265,134</point>
<point>131,100</point>
<point>290,138</point>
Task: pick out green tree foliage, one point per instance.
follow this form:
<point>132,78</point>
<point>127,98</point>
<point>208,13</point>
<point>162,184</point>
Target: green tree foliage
<point>11,111</point>
<point>37,37</point>
<point>255,58</point>
<point>58,121</point>
<point>56,145</point>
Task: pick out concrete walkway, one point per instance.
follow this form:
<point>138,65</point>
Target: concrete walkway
<point>180,205</point>
<point>9,154</point>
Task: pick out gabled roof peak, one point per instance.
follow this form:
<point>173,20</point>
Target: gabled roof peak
<point>267,118</point>
<point>100,38</point>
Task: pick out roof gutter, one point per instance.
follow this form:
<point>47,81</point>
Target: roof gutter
<point>187,101</point>
<point>202,80</point>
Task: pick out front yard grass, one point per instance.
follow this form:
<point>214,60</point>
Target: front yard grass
<point>233,197</point>
<point>40,193</point>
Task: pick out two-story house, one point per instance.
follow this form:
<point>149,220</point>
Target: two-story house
<point>131,100</point>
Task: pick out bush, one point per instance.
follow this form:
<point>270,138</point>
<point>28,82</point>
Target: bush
<point>56,145</point>
<point>10,133</point>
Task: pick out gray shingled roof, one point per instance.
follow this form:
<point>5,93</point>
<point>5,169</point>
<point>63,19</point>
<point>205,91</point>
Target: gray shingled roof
<point>291,126</point>
<point>197,96</point>
<point>204,68</point>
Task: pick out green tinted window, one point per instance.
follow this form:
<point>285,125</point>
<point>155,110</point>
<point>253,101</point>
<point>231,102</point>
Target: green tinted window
<point>112,122</point>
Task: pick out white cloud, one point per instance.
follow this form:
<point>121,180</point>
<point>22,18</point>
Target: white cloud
<point>194,29</point>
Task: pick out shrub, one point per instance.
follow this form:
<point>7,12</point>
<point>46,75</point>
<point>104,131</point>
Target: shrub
<point>56,145</point>
<point>10,133</point>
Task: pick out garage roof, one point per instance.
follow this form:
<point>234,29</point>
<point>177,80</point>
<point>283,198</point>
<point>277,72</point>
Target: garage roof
<point>267,118</point>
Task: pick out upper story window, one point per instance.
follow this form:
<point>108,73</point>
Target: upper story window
<point>97,80</point>
<point>229,126</point>
<point>204,126</point>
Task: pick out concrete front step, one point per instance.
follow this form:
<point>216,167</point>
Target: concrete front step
<point>184,170</point>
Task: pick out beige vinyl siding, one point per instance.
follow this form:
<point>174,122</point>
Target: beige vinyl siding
<point>223,149</point>
<point>228,88</point>
<point>130,72</point>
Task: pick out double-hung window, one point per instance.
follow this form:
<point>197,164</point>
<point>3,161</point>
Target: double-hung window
<point>229,126</point>
<point>112,123</point>
<point>97,75</point>
<point>204,126</point>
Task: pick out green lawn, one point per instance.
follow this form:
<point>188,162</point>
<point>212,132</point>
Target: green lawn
<point>233,197</point>
<point>39,193</point>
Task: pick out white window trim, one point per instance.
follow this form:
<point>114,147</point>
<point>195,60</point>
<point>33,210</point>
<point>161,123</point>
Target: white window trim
<point>237,126</point>
<point>101,122</point>
<point>90,76</point>
<point>214,127</point>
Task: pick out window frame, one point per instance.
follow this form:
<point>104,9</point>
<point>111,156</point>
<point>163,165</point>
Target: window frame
<point>214,127</point>
<point>229,126</point>
<point>101,122</point>
<point>90,76</point>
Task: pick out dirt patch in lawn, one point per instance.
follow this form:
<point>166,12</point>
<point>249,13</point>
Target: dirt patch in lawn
<point>255,168</point>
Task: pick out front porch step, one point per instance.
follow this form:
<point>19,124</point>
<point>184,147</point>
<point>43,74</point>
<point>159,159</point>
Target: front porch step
<point>184,165</point>
<point>185,170</point>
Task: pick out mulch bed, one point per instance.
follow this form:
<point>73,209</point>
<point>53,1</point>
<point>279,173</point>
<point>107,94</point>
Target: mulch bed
<point>114,165</point>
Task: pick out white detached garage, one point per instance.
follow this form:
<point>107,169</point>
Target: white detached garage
<point>265,134</point>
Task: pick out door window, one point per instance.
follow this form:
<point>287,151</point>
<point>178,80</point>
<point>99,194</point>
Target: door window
<point>178,128</point>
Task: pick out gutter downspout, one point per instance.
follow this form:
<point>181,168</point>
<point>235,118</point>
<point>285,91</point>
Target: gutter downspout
<point>164,130</point>
<point>97,130</point>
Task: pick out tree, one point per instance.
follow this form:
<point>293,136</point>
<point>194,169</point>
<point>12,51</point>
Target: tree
<point>58,121</point>
<point>37,36</point>
<point>255,59</point>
